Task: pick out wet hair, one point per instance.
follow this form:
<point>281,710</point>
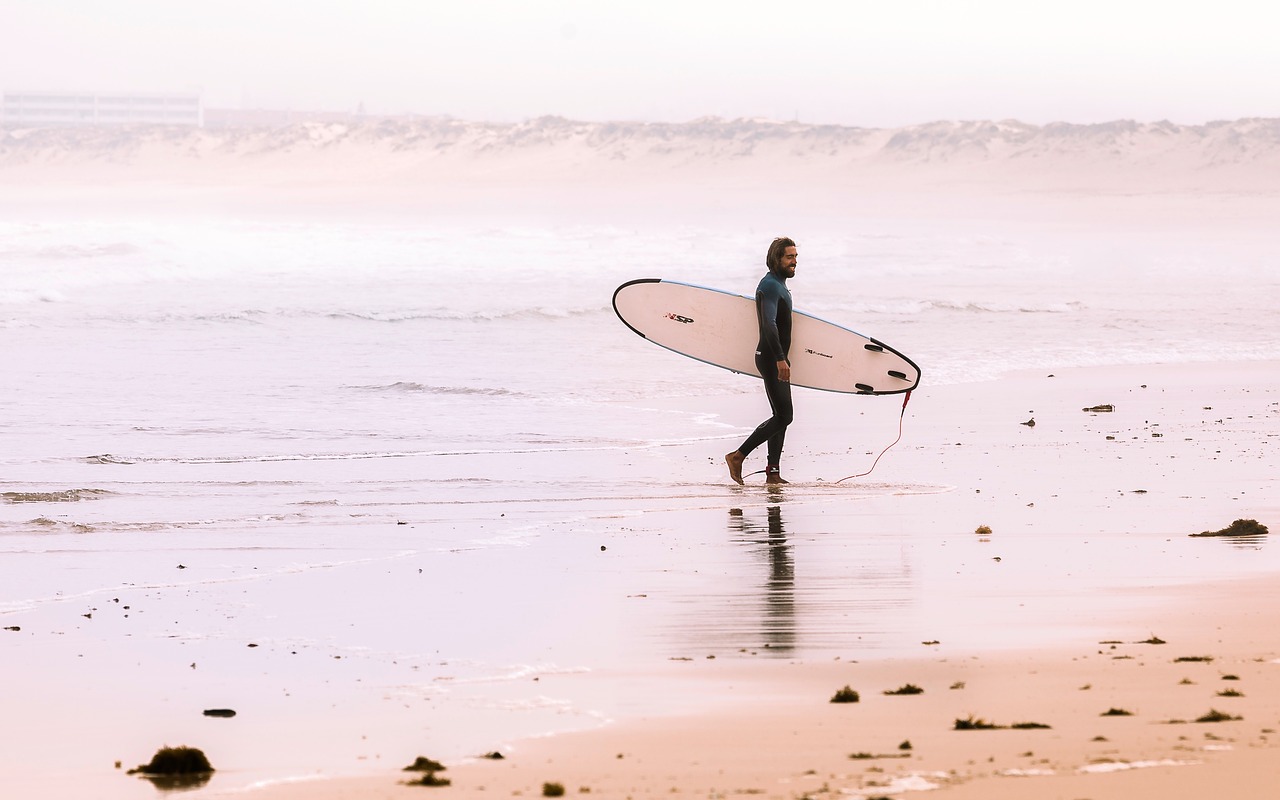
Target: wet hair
<point>773,259</point>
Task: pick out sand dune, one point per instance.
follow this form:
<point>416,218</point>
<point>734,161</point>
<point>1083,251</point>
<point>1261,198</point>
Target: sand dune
<point>1241,156</point>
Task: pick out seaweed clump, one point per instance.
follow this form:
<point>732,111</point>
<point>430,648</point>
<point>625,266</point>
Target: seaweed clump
<point>176,761</point>
<point>1215,715</point>
<point>845,695</point>
<point>553,790</point>
<point>972,724</point>
<point>428,767</point>
<point>906,688</point>
<point>176,768</point>
<point>1241,527</point>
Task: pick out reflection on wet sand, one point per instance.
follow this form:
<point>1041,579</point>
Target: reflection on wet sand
<point>793,579</point>
<point>769,542</point>
<point>178,783</point>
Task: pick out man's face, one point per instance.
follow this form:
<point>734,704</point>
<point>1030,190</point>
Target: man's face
<point>787,268</point>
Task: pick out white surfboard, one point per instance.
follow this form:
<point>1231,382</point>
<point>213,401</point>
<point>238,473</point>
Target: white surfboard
<point>720,328</point>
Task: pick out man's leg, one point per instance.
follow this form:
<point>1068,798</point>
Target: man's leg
<point>783,411</point>
<point>779,394</point>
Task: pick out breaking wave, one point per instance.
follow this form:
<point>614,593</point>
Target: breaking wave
<point>62,496</point>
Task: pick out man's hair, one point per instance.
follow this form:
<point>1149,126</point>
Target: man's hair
<point>773,259</point>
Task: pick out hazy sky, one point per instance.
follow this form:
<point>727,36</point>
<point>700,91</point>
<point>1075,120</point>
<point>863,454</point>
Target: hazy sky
<point>882,63</point>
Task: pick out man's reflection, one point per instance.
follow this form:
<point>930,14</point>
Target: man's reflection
<point>768,538</point>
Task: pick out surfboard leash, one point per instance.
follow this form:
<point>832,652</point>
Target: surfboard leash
<point>902,415</point>
<point>906,398</point>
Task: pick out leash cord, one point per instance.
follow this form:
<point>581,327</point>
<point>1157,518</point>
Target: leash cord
<point>901,416</point>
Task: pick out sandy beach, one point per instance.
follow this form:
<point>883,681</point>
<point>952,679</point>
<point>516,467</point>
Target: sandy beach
<point>1120,674</point>
<point>677,666</point>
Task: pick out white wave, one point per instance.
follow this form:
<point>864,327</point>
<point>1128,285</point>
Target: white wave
<point>1121,766</point>
<point>520,672</point>
<point>912,782</point>
<point>268,783</point>
<point>415,387</point>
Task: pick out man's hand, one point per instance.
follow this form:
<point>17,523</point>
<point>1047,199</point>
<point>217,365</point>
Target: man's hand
<point>784,372</point>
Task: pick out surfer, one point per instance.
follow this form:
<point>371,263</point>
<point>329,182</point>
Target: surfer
<point>773,312</point>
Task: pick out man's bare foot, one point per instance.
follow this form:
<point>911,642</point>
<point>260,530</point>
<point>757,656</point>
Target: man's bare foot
<point>771,476</point>
<point>734,460</point>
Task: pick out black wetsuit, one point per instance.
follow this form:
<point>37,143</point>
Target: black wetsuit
<point>773,312</point>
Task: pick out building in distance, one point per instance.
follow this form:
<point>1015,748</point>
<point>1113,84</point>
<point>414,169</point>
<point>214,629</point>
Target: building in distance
<point>40,109</point>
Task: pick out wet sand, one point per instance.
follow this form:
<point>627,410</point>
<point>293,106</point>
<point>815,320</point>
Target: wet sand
<point>1088,610</point>
<point>698,629</point>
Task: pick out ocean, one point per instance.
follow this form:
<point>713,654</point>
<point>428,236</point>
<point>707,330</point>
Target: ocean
<point>255,376</point>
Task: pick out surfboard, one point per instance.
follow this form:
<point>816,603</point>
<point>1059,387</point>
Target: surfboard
<point>720,328</point>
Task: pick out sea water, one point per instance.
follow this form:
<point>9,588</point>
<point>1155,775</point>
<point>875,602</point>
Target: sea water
<point>320,417</point>
<point>241,375</point>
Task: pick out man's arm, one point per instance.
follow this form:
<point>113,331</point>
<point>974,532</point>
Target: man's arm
<point>767,316</point>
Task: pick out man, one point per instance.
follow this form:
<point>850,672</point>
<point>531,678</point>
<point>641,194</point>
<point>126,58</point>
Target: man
<point>773,312</point>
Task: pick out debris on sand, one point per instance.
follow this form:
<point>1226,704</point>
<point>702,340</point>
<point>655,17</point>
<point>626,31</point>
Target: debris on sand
<point>176,768</point>
<point>1214,715</point>
<point>972,724</point>
<point>845,695</point>
<point>1241,527</point>
<point>424,764</point>
<point>428,767</point>
<point>1100,409</point>
<point>906,688</point>
<point>176,761</point>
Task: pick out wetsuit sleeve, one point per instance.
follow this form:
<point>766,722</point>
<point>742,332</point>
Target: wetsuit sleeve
<point>767,300</point>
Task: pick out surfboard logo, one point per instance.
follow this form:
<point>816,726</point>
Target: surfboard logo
<point>816,353</point>
<point>679,318</point>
